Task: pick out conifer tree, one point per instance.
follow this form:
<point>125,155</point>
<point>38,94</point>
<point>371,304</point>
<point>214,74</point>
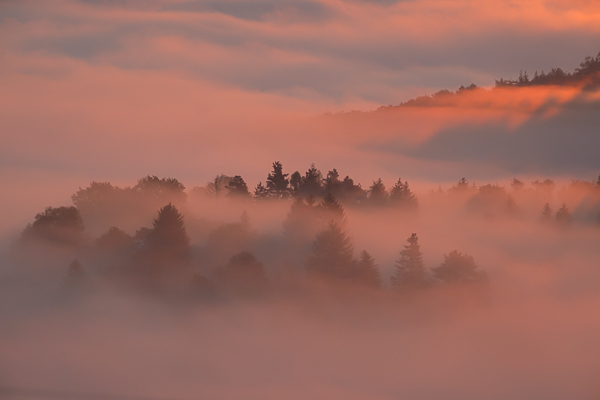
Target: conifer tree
<point>378,194</point>
<point>277,182</point>
<point>168,237</point>
<point>410,271</point>
<point>367,272</point>
<point>403,197</point>
<point>311,182</point>
<point>332,254</point>
<point>563,215</point>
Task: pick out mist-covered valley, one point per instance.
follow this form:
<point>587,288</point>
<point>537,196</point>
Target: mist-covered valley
<point>308,199</point>
<point>464,291</point>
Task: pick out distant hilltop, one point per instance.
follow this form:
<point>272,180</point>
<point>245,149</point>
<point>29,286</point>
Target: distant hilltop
<point>589,68</point>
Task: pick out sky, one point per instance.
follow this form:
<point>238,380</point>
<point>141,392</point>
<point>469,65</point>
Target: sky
<point>116,90</point>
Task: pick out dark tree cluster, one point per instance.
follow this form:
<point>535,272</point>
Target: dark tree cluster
<point>588,67</point>
<point>97,203</point>
<point>411,274</point>
<point>312,185</point>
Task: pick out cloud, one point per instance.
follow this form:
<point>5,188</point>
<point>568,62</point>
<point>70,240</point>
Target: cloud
<point>347,43</point>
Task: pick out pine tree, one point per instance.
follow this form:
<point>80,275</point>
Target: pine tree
<point>169,238</point>
<point>277,182</point>
<point>311,182</point>
<point>332,182</point>
<point>403,197</point>
<point>367,272</point>
<point>410,271</point>
<point>378,195</point>
<point>332,254</point>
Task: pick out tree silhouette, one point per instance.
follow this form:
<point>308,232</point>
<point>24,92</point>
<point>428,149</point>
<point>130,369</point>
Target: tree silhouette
<point>332,184</point>
<point>295,182</point>
<point>311,182</point>
<point>403,197</point>
<point>546,213</point>
<point>60,225</point>
<point>218,185</point>
<point>261,192</point>
<point>238,188</point>
<point>457,267</point>
<point>332,254</point>
<point>410,272</point>
<point>563,215</point>
<point>516,185</point>
<point>277,182</point>
<point>378,195</point>
<point>352,193</point>
<point>169,232</point>
<point>161,190</point>
<point>367,272</point>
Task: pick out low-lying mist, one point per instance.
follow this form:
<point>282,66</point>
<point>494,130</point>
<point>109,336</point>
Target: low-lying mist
<point>161,291</point>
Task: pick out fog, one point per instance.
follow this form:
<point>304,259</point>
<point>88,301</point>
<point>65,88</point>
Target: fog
<point>309,199</point>
<point>529,330</point>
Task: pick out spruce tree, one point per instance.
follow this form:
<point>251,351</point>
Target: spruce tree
<point>277,182</point>
<point>311,182</point>
<point>378,194</point>
<point>403,197</point>
<point>410,271</point>
<point>367,272</point>
<point>332,254</point>
<point>169,238</point>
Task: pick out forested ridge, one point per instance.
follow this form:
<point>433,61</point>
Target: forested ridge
<point>587,73</point>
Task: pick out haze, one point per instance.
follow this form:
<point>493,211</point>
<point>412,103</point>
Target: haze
<point>156,242</point>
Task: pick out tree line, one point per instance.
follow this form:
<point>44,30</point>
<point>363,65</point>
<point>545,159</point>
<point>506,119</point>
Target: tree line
<point>314,236</point>
<point>590,66</point>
